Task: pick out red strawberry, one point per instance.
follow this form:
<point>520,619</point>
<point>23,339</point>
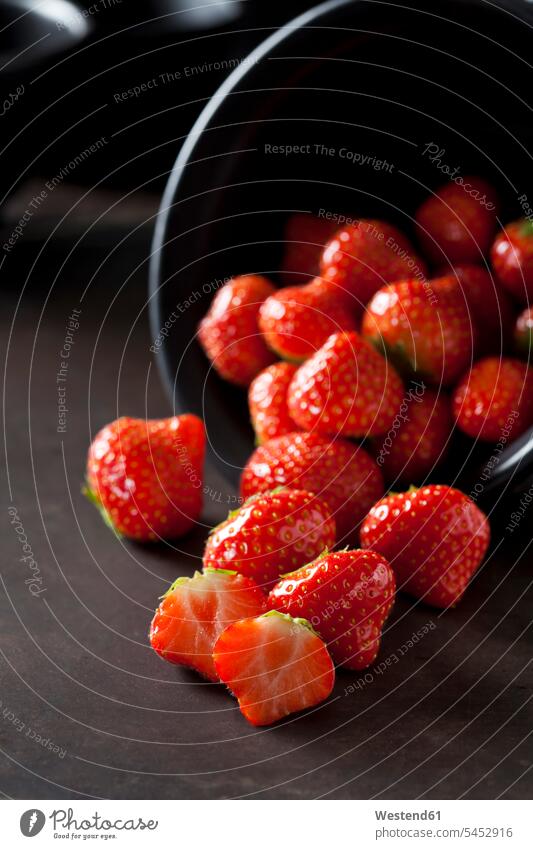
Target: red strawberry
<point>362,257</point>
<point>523,334</point>
<point>423,330</point>
<point>495,396</point>
<point>297,321</point>
<point>457,222</point>
<point>194,612</point>
<point>434,538</point>
<point>305,237</point>
<point>488,302</point>
<point>229,333</point>
<point>270,534</point>
<point>267,400</point>
<point>274,665</point>
<point>512,259</point>
<point>347,596</point>
<point>146,476</point>
<point>345,388</point>
<point>342,475</point>
<point>419,438</point>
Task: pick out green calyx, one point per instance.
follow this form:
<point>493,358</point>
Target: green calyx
<point>91,496</point>
<point>526,228</point>
<point>291,620</point>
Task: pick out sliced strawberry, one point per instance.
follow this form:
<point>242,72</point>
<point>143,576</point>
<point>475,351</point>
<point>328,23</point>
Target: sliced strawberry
<point>274,665</point>
<point>195,611</point>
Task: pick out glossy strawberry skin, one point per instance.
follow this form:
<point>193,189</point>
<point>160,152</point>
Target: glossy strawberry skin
<point>434,538</point>
<point>455,226</point>
<point>229,332</point>
<point>489,305</point>
<point>194,612</point>
<point>296,321</point>
<point>346,388</point>
<point>423,330</point>
<point>274,665</point>
<point>305,237</point>
<point>340,474</point>
<point>362,257</point>
<point>347,596</point>
<point>512,259</point>
<point>146,475</point>
<point>523,334</point>
<point>270,534</point>
<point>494,397</point>
<point>267,402</point>
<point>419,440</point>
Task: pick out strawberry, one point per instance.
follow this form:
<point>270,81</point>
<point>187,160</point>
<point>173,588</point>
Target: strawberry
<point>362,257</point>
<point>419,438</point>
<point>347,596</point>
<point>434,538</point>
<point>346,388</point>
<point>523,333</point>
<point>305,237</point>
<point>297,321</point>
<point>456,224</point>
<point>342,475</point>
<point>424,330</point>
<point>271,533</point>
<point>274,665</point>
<point>267,400</point>
<point>495,396</point>
<point>194,612</point>
<point>145,476</point>
<point>490,308</point>
<point>229,333</point>
<point>512,259</point>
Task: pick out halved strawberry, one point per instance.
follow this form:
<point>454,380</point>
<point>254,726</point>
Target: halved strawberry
<point>274,665</point>
<point>195,611</point>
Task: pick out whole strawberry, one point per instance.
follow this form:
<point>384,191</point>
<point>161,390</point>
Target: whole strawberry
<point>340,474</point>
<point>419,439</point>
<point>145,476</point>
<point>297,321</point>
<point>347,596</point>
<point>362,257</point>
<point>424,331</point>
<point>194,612</point>
<point>434,538</point>
<point>274,665</point>
<point>271,534</point>
<point>495,399</point>
<point>346,388</point>
<point>305,237</point>
<point>229,332</point>
<point>457,223</point>
<point>512,259</point>
<point>523,334</point>
<point>489,305</point>
<point>267,401</point>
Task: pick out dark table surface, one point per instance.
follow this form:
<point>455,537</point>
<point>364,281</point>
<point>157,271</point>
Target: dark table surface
<point>87,708</point>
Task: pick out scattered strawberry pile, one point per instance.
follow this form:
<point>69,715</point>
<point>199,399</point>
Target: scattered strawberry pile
<point>358,378</point>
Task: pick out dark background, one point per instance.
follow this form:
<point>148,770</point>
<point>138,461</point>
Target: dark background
<point>451,715</point>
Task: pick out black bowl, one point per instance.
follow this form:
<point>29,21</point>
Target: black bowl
<point>371,78</point>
